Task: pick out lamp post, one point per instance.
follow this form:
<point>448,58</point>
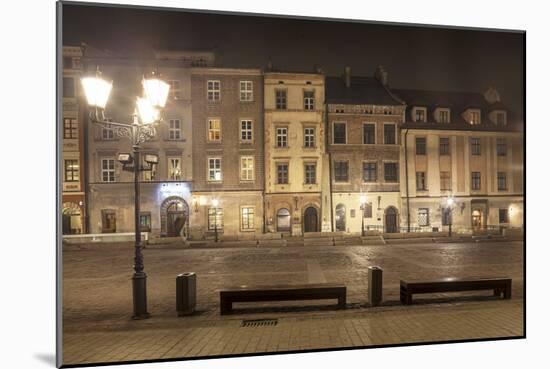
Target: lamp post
<point>146,116</point>
<point>450,204</point>
<point>363,201</point>
<point>215,203</point>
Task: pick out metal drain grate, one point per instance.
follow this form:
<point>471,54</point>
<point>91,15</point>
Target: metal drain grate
<point>259,322</point>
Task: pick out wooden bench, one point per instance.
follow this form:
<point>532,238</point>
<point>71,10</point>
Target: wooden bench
<point>281,293</point>
<point>498,285</point>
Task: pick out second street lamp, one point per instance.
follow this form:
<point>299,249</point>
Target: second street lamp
<point>450,204</point>
<point>363,201</point>
<point>146,116</point>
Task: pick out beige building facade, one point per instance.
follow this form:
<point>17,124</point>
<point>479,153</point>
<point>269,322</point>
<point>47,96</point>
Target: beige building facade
<point>297,193</point>
<point>364,120</point>
<point>472,153</point>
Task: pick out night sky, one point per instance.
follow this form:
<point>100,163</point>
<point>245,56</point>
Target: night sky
<point>415,57</point>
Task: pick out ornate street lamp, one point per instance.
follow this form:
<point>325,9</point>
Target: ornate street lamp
<point>146,116</point>
<point>450,203</point>
<point>363,201</point>
<point>215,204</point>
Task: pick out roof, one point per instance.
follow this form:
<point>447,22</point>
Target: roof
<point>362,90</point>
<point>457,102</point>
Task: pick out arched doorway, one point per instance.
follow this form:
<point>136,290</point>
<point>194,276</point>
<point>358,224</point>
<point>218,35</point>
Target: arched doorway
<point>390,220</point>
<point>174,217</point>
<point>283,220</point>
<point>477,219</point>
<point>71,218</point>
<point>311,220</point>
<point>341,217</point>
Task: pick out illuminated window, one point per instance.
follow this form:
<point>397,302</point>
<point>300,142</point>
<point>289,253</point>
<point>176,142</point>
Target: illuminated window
<point>247,168</point>
<point>246,131</point>
<point>247,218</point>
<point>174,129</point>
<point>72,170</point>
<point>246,92</point>
<point>419,115</point>
<point>215,219</point>
<point>174,169</point>
<point>214,130</point>
<point>70,128</point>
<point>107,133</point>
<point>108,170</point>
<point>214,169</point>
<point>309,100</point>
<point>443,116</point>
<point>475,117</point>
<point>151,173</point>
<point>213,90</point>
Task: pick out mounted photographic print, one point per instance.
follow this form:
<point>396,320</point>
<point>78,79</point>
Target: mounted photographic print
<point>241,184</point>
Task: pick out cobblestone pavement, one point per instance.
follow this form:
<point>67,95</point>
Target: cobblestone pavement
<point>97,299</point>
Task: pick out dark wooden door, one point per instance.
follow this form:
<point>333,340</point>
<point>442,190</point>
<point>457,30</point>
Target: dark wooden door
<point>311,221</point>
<point>391,220</point>
<point>176,221</point>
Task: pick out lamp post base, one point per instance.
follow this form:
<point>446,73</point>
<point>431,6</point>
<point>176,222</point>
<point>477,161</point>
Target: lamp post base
<point>139,286</point>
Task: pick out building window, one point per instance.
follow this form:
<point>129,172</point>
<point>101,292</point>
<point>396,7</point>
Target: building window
<point>282,137</point>
<point>475,144</point>
<point>214,169</point>
<point>108,221</point>
<point>339,130</point>
<point>108,170</point>
<point>174,129</point>
<point>151,173</point>
<point>369,134</point>
<point>107,133</point>
<point>214,130</point>
<point>503,216</point>
<point>390,172</point>
<point>341,169</point>
<point>247,168</point>
<point>310,173</point>
<point>72,170</point>
<point>419,115</point>
<point>280,99</point>
<point>145,221</point>
<point>175,89</point>
<point>213,90</point>
<point>501,179</point>
<point>174,169</point>
<point>245,91</point>
<point>421,146</point>
<point>215,219</point>
<point>68,87</point>
<point>246,130</point>
<point>443,116</point>
<point>282,173</point>
<point>70,128</point>
<point>309,100</point>
<point>502,148</point>
<point>309,137</point>
<point>476,181</point>
<point>446,216</point>
<point>445,181</point>
<point>367,212</point>
<point>389,134</point>
<point>423,217</point>
<point>421,181</point>
<point>369,172</point>
<point>501,118</point>
<point>444,146</point>
<point>247,218</point>
<point>475,117</point>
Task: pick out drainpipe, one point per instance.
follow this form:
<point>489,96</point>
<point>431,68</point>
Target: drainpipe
<point>407,183</point>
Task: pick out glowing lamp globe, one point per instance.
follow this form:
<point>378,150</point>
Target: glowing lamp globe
<point>363,199</point>
<point>147,112</point>
<point>215,203</point>
<point>156,91</point>
<point>97,91</point>
<point>450,201</point>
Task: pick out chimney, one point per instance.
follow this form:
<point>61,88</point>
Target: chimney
<point>347,76</point>
<point>491,95</point>
<point>381,75</point>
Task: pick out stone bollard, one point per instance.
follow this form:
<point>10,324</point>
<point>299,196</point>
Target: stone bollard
<point>375,285</point>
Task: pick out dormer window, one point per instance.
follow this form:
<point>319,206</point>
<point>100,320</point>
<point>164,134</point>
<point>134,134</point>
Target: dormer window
<point>500,118</point>
<point>419,114</point>
<point>443,115</point>
<point>475,117</point>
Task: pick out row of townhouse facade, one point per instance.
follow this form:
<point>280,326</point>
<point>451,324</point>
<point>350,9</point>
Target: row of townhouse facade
<point>247,151</point>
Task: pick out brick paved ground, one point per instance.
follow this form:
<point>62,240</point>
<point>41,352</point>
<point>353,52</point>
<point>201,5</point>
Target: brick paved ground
<point>97,299</point>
